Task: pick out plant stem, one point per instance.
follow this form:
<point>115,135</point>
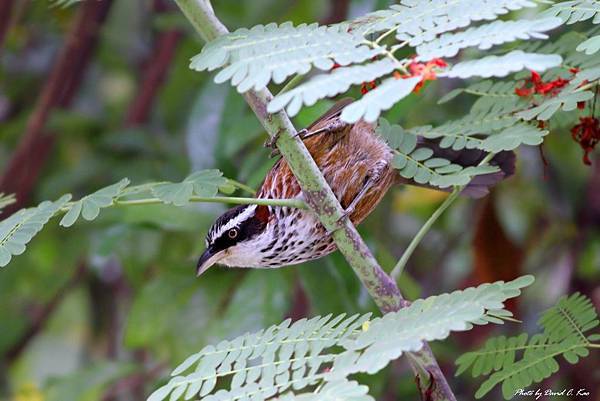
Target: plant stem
<point>397,271</point>
<point>324,204</point>
<point>242,186</point>
<point>587,86</point>
<point>295,203</point>
<point>232,200</point>
<point>399,268</point>
<point>292,83</point>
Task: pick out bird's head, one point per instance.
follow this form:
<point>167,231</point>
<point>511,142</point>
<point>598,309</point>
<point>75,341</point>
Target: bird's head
<point>234,238</point>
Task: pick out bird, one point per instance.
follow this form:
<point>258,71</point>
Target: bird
<point>356,162</point>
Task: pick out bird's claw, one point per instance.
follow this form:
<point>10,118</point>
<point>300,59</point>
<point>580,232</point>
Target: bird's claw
<point>341,222</point>
<point>272,142</point>
<point>301,133</point>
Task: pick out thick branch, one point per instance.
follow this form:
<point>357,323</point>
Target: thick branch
<point>156,69</point>
<point>6,7</point>
<point>322,200</point>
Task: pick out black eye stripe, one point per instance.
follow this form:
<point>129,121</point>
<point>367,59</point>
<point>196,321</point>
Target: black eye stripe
<point>221,221</point>
<point>231,229</point>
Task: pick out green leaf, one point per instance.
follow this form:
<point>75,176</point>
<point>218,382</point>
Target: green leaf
<point>264,364</point>
<point>63,3</point>
<point>447,178</point>
<point>576,11</point>
<point>590,46</point>
<point>204,183</point>
<point>17,230</point>
<point>176,193</point>
<point>565,100</point>
<point>90,205</point>
<point>513,137</point>
<point>339,390</point>
<point>485,36</point>
<point>383,97</point>
<point>450,95</point>
<point>6,200</point>
<point>421,21</point>
<point>517,362</point>
<point>329,85</point>
<point>251,58</point>
<point>501,66</point>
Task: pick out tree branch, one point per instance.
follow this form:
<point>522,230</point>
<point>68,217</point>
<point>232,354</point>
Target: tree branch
<point>156,69</point>
<point>6,7</point>
<point>323,202</point>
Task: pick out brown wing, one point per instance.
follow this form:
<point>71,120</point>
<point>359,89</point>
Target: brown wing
<point>346,154</point>
<point>332,113</point>
<point>280,182</point>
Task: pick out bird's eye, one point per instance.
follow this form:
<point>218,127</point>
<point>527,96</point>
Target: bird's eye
<point>232,233</point>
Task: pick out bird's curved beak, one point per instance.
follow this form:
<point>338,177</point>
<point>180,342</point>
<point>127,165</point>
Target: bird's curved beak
<point>208,258</point>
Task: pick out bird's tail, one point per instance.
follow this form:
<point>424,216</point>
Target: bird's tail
<point>480,185</point>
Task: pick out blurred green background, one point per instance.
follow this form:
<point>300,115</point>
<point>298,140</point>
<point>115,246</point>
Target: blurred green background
<point>103,310</point>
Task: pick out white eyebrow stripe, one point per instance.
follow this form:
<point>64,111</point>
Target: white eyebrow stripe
<point>249,211</point>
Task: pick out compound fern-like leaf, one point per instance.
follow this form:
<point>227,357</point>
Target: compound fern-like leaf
<point>418,21</point>
<point>205,183</point>
<point>485,36</point>
<point>6,200</point>
<point>284,360</point>
<point>576,11</point>
<point>379,99</point>
<point>501,66</point>
<point>251,58</point>
<point>499,90</point>
<point>512,137</point>
<point>566,100</point>
<point>589,46</point>
<point>341,390</point>
<point>420,164</point>
<point>329,85</point>
<point>89,206</point>
<point>517,362</point>
<point>17,230</point>
<point>572,316</point>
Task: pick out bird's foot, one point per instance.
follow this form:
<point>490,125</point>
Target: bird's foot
<point>302,133</point>
<point>341,222</point>
<point>272,142</point>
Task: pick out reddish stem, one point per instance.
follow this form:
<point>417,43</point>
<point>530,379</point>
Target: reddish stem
<point>154,74</point>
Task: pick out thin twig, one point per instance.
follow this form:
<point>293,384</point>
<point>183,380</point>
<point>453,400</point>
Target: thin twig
<point>292,83</point>
<point>399,268</point>
<point>242,186</point>
<point>430,222</point>
<point>295,203</point>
